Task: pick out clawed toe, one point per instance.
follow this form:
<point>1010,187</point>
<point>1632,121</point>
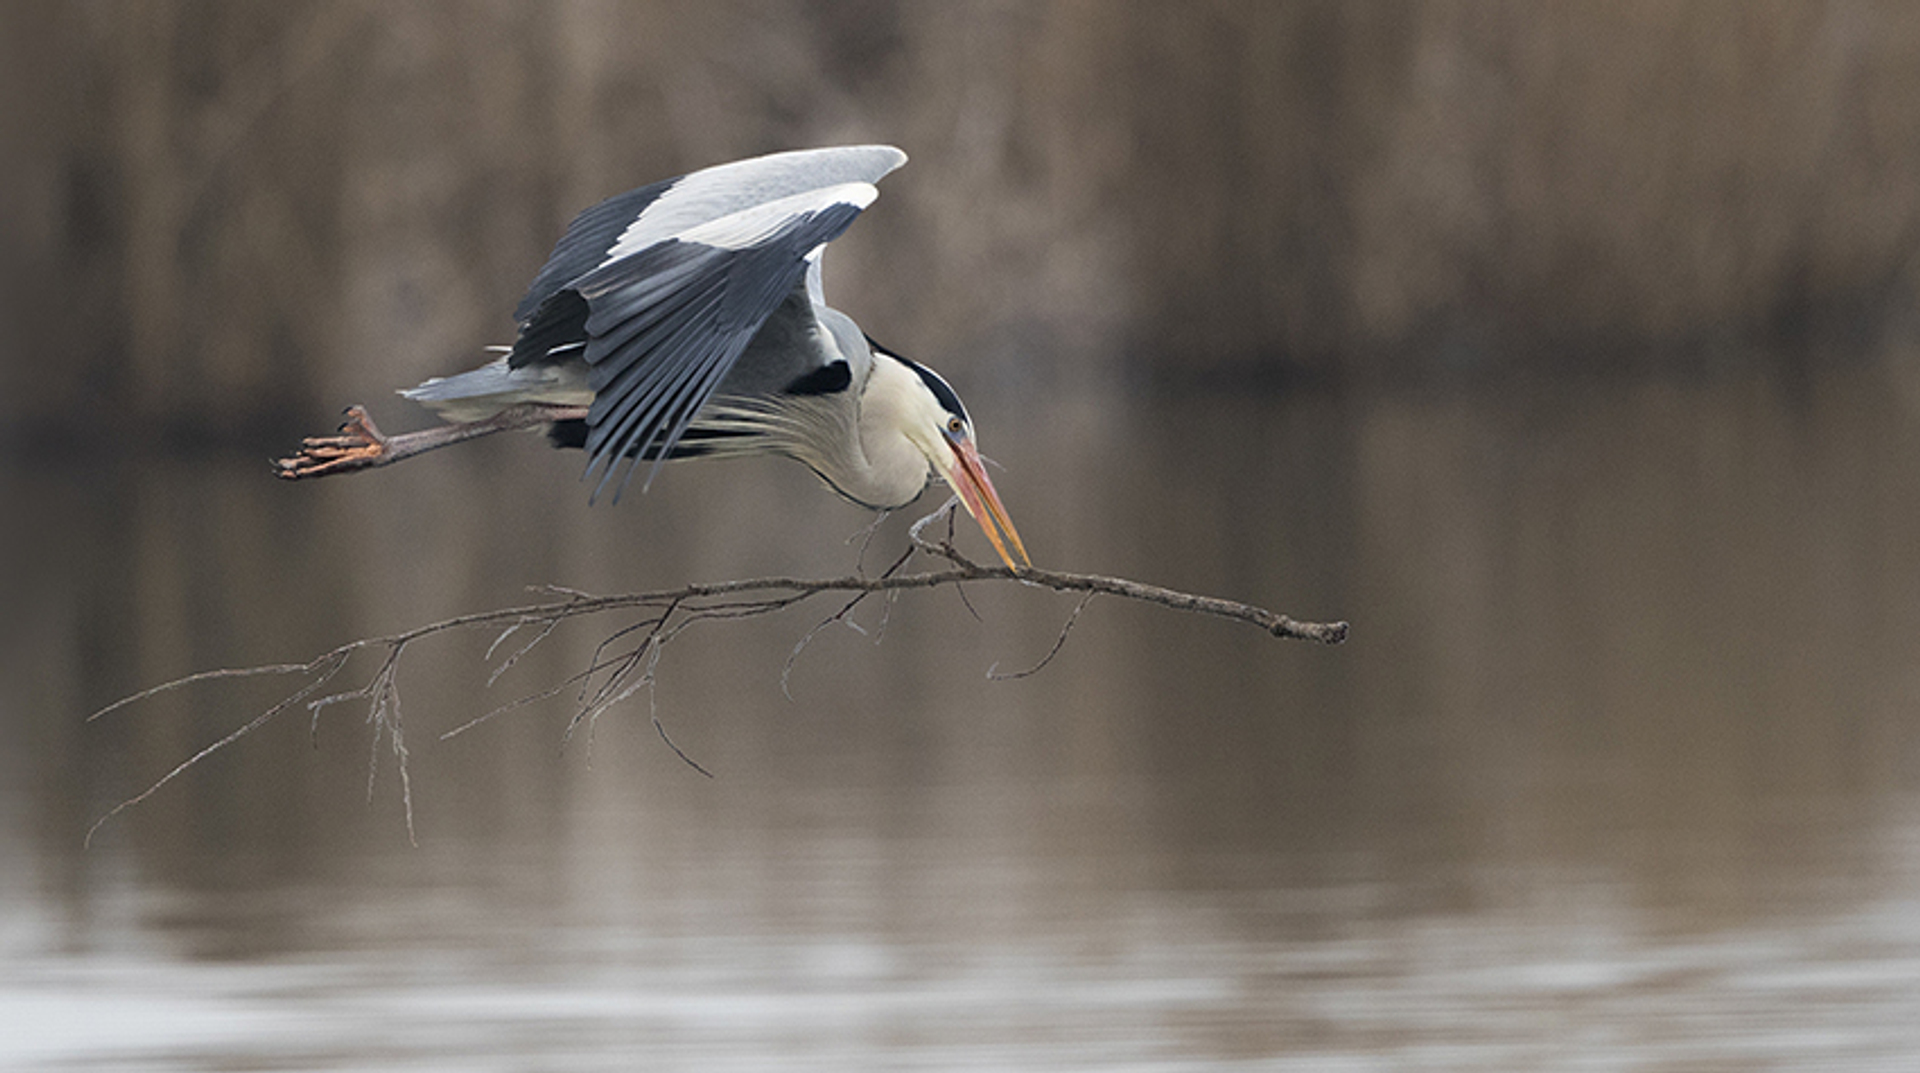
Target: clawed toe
<point>358,445</point>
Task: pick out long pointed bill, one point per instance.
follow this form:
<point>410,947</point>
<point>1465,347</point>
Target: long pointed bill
<point>969,478</point>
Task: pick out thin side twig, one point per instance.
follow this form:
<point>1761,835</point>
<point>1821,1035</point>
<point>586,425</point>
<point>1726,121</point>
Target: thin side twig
<point>1058,643</point>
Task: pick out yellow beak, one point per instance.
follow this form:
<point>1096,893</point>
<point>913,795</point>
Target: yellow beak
<point>969,479</point>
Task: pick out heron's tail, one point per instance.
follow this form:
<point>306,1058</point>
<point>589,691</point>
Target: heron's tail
<point>481,393</point>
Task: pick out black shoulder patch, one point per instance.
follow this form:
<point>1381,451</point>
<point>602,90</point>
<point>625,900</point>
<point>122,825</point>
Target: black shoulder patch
<point>828,379</point>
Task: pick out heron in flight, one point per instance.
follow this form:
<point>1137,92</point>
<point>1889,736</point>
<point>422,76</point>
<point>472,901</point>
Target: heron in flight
<point>686,319</point>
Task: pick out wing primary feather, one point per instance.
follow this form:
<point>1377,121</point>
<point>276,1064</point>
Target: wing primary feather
<point>691,399</point>
<point>636,416</point>
<point>655,429</point>
<point>643,377</point>
<point>628,286</point>
<point>684,405</point>
<point>621,351</point>
<point>644,436</point>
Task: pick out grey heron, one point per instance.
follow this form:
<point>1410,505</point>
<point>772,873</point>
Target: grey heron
<point>686,319</point>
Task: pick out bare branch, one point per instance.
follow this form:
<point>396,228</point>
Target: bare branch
<point>610,678</point>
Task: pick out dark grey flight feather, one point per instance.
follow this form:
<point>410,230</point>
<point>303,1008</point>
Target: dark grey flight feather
<point>585,244</point>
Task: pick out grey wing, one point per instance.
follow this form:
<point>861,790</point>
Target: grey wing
<point>669,308</point>
<point>629,222</point>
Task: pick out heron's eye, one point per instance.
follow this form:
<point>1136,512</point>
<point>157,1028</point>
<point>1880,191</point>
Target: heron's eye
<point>956,426</point>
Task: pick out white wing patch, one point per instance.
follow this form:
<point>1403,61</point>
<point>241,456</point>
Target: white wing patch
<point>751,227</point>
<point>816,290</point>
<point>713,193</point>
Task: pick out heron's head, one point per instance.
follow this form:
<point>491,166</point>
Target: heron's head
<point>932,418</point>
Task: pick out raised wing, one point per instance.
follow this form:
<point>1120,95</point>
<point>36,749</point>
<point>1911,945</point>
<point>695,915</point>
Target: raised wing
<point>666,285</point>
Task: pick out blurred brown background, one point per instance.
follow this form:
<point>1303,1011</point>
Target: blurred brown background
<point>1571,351</point>
<point>243,208</point>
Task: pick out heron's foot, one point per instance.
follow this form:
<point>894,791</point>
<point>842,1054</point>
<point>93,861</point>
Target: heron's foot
<point>944,548</point>
<point>358,446</point>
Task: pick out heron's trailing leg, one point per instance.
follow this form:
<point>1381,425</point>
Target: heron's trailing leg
<point>361,445</point>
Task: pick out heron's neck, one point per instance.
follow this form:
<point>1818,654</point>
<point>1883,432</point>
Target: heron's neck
<point>890,471</point>
<point>854,441</point>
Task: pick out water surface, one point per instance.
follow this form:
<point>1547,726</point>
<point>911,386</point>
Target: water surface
<point>1619,769</point>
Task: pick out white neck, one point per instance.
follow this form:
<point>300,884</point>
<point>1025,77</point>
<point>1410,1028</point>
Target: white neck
<point>895,409</point>
<point>864,447</point>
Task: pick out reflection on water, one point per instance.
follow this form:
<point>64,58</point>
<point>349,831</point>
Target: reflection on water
<point>1618,769</point>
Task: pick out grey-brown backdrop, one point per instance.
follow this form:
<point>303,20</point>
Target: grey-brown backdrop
<point>1569,350</point>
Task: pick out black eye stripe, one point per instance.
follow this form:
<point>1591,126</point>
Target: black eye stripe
<point>949,401</point>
